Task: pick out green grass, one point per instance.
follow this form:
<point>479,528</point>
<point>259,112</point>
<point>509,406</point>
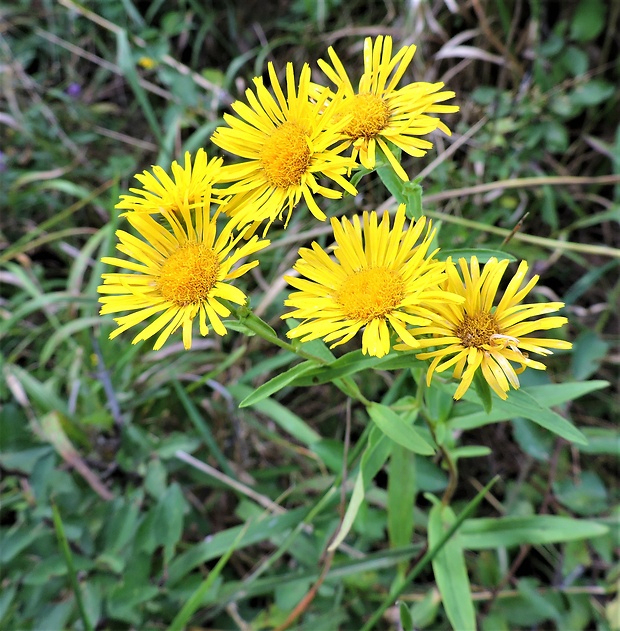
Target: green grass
<point>141,489</point>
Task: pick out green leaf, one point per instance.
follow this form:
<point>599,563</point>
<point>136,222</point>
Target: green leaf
<point>588,21</point>
<point>533,439</point>
<point>450,570</point>
<point>430,554</point>
<point>592,93</point>
<point>438,400</point>
<point>406,622</point>
<point>401,497</point>
<point>67,331</point>
<point>395,427</point>
<point>6,598</point>
<point>424,612</point>
<point>375,454</point>
<point>523,404</point>
<point>120,527</point>
<point>347,570</point>
<point>483,390</point>
<point>391,181</point>
<point>589,349</point>
<point>601,441</point>
<point>592,277</point>
<point>586,496</point>
<point>488,532</point>
<point>277,383</point>
<point>40,393</point>
<point>287,420</point>
<point>344,366</point>
<point>218,543</point>
<point>526,404</point>
<point>538,604</point>
<point>574,60</point>
<point>16,540</point>
<point>24,461</point>
<point>330,452</point>
<point>355,362</point>
<point>202,427</point>
<point>169,519</point>
<point>194,602</point>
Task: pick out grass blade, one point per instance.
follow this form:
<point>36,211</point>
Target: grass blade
<point>66,552</point>
<point>195,600</point>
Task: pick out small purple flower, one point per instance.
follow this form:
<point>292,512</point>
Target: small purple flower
<point>74,89</point>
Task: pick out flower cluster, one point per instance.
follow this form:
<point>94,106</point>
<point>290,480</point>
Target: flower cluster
<point>302,140</point>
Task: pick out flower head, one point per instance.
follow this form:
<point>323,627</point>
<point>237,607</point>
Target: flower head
<point>161,192</point>
<point>380,280</point>
<point>475,334</point>
<point>286,143</point>
<point>379,112</point>
<point>180,273</point>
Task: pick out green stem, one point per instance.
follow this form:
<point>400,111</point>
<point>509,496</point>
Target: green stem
<point>453,473</point>
<point>196,599</point>
<point>545,242</point>
<point>445,454</point>
<point>66,551</point>
<point>428,556</point>
<point>264,331</point>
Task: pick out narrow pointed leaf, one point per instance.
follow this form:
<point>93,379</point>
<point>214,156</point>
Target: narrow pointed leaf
<point>277,383</point>
<point>450,571</point>
<point>396,428</point>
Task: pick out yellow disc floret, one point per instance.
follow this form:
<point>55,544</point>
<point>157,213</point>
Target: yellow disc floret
<point>286,155</point>
<point>189,274</point>
<point>477,330</point>
<point>371,115</point>
<point>371,293</point>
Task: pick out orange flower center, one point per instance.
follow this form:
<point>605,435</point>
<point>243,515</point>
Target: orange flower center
<point>477,330</point>
<point>371,293</point>
<point>371,115</point>
<point>189,274</point>
<point>285,156</point>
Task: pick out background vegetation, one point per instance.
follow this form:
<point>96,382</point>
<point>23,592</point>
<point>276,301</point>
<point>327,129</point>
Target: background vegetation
<point>142,461</point>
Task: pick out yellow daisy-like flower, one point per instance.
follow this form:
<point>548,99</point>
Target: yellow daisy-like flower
<point>380,280</point>
<point>475,334</point>
<point>286,143</point>
<point>161,192</point>
<point>180,273</point>
<point>379,111</point>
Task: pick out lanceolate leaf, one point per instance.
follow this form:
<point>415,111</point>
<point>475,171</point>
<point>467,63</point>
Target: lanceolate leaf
<point>401,497</point>
<point>487,532</point>
<point>450,571</point>
<point>548,395</point>
<point>395,426</point>
<point>277,383</point>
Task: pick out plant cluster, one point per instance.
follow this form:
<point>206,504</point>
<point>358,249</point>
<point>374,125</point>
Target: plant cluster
<point>282,381</point>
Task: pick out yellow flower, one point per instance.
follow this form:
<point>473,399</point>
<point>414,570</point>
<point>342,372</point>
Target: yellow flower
<point>380,280</point>
<point>380,112</point>
<point>285,143</point>
<point>147,62</point>
<point>180,273</point>
<point>186,190</point>
<point>475,334</point>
